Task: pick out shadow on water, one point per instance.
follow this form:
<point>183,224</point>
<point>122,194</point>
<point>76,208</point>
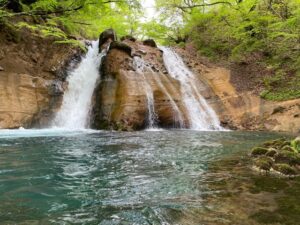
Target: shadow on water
<point>163,177</point>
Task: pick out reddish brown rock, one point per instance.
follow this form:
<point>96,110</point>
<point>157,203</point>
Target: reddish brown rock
<point>121,100</point>
<point>32,84</point>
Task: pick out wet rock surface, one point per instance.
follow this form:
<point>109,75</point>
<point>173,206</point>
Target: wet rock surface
<point>33,80</point>
<point>120,99</point>
<point>107,36</point>
<point>238,105</point>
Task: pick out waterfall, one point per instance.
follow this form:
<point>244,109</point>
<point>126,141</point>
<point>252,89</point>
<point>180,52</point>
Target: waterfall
<point>75,109</point>
<point>201,115</point>
<point>177,113</point>
<point>140,67</point>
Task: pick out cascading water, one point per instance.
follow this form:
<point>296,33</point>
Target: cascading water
<point>139,65</point>
<point>177,113</point>
<point>201,115</point>
<point>74,113</point>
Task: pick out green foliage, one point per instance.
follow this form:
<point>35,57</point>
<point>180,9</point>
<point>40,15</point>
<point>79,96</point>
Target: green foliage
<point>296,144</point>
<point>74,43</point>
<point>267,32</point>
<point>82,18</point>
<point>280,95</point>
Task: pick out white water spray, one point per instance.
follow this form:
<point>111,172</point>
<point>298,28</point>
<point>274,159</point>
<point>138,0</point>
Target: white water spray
<point>75,110</point>
<point>140,66</point>
<point>201,115</point>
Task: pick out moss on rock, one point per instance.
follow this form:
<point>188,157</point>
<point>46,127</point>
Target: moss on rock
<point>271,152</point>
<point>264,163</point>
<point>285,169</point>
<point>291,158</point>
<point>288,148</point>
<point>278,143</point>
<point>259,151</point>
<point>281,155</point>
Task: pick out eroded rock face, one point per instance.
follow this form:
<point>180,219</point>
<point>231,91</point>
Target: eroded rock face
<point>32,81</point>
<point>25,100</point>
<point>242,109</point>
<point>121,100</point>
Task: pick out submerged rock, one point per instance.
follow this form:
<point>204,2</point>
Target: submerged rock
<point>291,158</point>
<point>278,143</point>
<point>281,155</point>
<point>285,169</point>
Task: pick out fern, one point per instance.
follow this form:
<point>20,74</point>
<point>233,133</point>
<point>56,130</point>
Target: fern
<point>74,43</point>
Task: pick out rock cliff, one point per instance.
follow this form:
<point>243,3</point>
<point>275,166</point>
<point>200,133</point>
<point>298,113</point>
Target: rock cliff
<point>133,84</point>
<point>32,77</point>
<point>241,108</point>
<point>131,67</point>
<point>121,99</point>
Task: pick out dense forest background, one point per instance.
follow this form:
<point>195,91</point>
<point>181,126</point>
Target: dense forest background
<point>263,33</point>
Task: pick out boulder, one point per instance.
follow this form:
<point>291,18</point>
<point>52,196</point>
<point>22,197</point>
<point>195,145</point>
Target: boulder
<point>107,35</point>
<point>271,152</point>
<point>259,151</point>
<point>287,157</point>
<point>1,68</point>
<point>121,46</point>
<point>285,169</point>
<point>264,163</point>
<point>150,42</point>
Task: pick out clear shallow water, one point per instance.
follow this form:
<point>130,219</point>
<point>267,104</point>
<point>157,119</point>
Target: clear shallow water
<point>89,177</point>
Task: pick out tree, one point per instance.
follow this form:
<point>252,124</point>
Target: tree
<point>75,17</point>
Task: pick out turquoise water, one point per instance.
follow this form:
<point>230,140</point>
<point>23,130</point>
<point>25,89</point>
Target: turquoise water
<point>88,177</point>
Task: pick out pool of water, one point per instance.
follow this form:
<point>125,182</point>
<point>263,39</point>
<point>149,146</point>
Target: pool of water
<point>89,177</point>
